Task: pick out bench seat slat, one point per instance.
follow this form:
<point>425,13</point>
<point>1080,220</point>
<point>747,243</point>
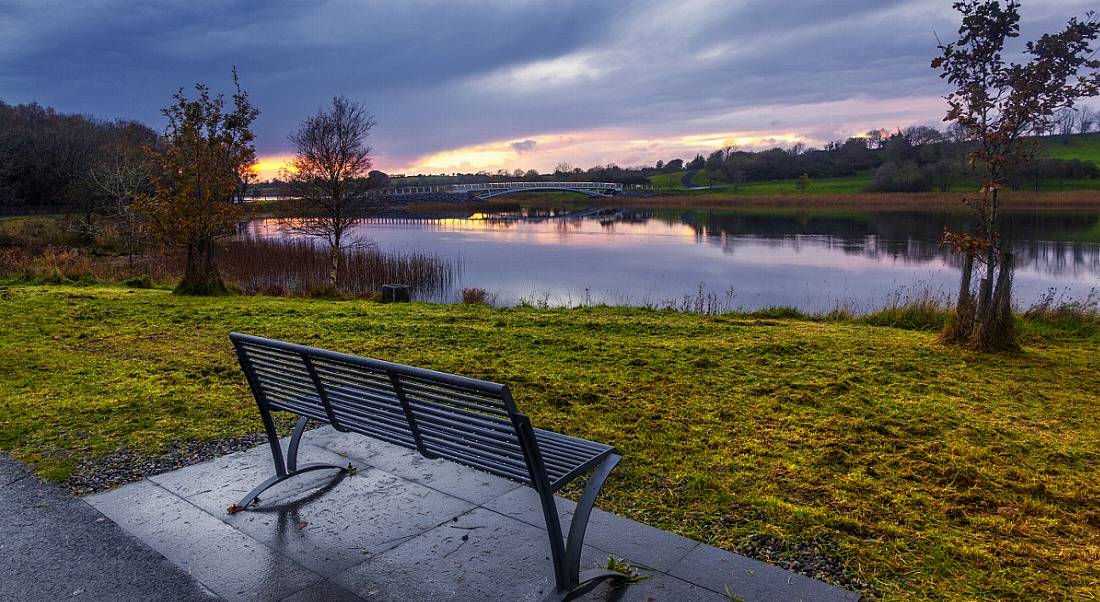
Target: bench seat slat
<point>337,372</point>
<point>282,360</point>
<point>412,386</point>
<point>353,423</point>
<point>420,396</point>
<point>497,455</point>
<point>474,461</point>
<point>551,456</point>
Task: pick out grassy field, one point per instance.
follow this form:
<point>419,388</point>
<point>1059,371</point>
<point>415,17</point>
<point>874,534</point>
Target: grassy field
<point>668,180</point>
<point>927,472</point>
<point>1084,147</point>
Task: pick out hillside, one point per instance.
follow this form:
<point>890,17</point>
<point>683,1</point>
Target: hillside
<point>1085,147</point>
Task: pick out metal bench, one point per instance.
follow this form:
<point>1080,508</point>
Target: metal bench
<point>472,422</point>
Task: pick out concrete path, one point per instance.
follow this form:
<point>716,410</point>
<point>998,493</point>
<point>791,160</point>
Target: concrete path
<point>403,528</point>
<point>56,547</point>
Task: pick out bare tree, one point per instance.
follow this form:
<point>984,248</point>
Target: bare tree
<point>329,174</point>
<point>123,174</point>
<point>1065,120</point>
<point>728,146</point>
<point>1086,119</point>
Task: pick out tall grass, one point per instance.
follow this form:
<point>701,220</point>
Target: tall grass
<point>1057,309</point>
<point>251,266</point>
<point>917,308</point>
<point>299,268</point>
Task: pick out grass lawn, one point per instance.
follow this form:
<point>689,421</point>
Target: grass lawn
<point>928,472</point>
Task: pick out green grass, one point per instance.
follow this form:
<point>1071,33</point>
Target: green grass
<point>936,473</point>
<point>817,186</point>
<point>675,180</point>
<point>1084,147</point>
<point>668,180</point>
<point>844,185</point>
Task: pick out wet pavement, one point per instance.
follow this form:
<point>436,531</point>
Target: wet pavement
<point>404,528</point>
<point>56,547</point>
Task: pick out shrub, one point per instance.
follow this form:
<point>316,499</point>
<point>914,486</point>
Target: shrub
<point>477,296</point>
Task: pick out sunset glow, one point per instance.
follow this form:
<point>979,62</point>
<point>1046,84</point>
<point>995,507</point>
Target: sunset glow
<point>268,167</point>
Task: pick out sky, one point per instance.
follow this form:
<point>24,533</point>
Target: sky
<point>504,84</point>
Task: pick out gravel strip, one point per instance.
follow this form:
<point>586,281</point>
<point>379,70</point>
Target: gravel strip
<point>124,466</point>
<point>810,558</point>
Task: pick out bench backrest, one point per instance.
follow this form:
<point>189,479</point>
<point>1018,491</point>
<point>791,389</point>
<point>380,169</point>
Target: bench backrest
<point>469,421</point>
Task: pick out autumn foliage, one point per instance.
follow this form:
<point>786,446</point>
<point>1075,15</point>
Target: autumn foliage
<point>204,166</point>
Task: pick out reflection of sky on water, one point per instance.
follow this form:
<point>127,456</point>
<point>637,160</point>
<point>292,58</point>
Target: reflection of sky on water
<point>812,264</point>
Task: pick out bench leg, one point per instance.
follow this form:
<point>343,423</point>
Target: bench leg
<point>571,583</point>
<point>284,468</point>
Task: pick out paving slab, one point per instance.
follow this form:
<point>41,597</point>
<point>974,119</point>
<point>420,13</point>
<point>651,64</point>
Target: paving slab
<point>219,483</point>
<point>367,513</point>
<point>450,478</point>
<point>657,587</point>
<point>55,547</point>
<point>481,556</point>
<point>325,521</point>
<point>325,591</point>
<point>752,580</point>
<point>428,530</point>
<point>225,560</point>
<point>622,537</point>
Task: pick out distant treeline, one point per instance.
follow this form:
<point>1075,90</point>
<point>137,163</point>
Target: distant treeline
<point>47,158</point>
<point>47,161</point>
<point>913,159</point>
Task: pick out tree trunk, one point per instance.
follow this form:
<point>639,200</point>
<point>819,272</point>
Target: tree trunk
<point>997,331</point>
<point>334,252</point>
<point>985,290</point>
<point>961,326</point>
<point>200,275</point>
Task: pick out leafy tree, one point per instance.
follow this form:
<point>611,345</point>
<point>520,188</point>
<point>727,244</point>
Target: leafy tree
<point>996,102</point>
<point>377,179</point>
<point>204,168</point>
<point>803,183</point>
<point>330,174</point>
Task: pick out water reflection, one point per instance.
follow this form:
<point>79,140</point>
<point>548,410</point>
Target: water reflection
<point>811,260</point>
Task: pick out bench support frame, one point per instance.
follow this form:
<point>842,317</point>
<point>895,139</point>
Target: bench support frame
<point>285,467</point>
<point>569,582</point>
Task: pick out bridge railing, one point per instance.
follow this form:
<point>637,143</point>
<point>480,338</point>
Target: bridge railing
<point>530,185</point>
<point>488,186</point>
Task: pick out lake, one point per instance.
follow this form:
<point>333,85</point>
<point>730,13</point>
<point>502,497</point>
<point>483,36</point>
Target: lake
<point>748,259</point>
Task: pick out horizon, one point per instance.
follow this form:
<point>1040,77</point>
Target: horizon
<point>627,83</point>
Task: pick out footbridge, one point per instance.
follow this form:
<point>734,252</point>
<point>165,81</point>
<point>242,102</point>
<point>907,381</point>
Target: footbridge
<point>491,189</point>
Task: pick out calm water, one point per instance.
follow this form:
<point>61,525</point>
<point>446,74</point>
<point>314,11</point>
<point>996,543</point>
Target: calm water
<point>746,259</point>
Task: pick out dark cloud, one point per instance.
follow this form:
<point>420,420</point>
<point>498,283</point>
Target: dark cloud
<point>524,146</point>
<point>441,75</point>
